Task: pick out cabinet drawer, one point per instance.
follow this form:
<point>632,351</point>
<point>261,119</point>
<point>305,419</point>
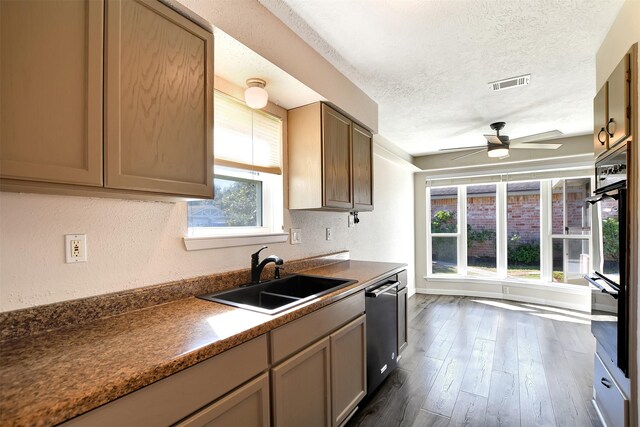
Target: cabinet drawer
<point>293,336</point>
<point>611,402</point>
<point>183,393</point>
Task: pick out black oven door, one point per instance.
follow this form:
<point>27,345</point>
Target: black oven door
<point>604,315</point>
<point>610,305</point>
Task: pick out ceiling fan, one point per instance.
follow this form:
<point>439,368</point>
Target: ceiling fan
<point>498,146</point>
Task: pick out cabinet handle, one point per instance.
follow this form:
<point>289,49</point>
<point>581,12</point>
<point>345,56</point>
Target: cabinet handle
<point>611,124</point>
<point>602,141</point>
<point>605,382</point>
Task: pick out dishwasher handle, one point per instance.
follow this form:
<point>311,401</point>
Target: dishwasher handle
<point>375,293</point>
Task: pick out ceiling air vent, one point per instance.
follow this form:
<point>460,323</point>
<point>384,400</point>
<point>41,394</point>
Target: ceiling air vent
<point>510,82</point>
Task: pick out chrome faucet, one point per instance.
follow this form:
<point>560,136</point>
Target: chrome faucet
<point>257,267</point>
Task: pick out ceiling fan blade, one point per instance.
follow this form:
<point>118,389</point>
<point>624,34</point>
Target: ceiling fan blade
<point>534,146</point>
<point>469,154</point>
<point>538,136</point>
<point>493,139</point>
<point>453,150</point>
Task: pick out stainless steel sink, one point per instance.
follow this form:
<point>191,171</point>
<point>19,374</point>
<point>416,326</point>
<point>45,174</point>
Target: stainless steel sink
<point>278,295</point>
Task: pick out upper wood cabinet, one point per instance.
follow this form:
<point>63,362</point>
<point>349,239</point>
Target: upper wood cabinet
<point>157,75</point>
<point>619,106</point>
<point>600,118</point>
<point>51,91</point>
<point>362,142</point>
<point>612,107</point>
<point>159,100</point>
<point>330,160</point>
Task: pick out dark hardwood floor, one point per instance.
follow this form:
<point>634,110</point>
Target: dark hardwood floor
<point>480,362</point>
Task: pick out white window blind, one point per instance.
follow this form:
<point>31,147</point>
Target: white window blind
<point>245,138</point>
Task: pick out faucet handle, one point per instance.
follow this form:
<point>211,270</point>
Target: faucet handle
<point>278,269</point>
<point>256,255</point>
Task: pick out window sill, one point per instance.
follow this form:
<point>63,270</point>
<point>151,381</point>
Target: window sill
<point>569,287</point>
<point>200,243</point>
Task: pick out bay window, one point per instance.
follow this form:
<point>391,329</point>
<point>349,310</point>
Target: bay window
<point>535,230</point>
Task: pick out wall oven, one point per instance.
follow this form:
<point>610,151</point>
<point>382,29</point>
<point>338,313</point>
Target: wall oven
<point>610,308</point>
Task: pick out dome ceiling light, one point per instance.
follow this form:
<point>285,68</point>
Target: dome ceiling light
<point>255,95</point>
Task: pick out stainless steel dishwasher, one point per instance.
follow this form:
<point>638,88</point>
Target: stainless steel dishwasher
<point>382,331</point>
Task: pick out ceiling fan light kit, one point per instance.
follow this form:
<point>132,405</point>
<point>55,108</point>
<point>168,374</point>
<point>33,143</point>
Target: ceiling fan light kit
<point>498,146</point>
<point>494,151</point>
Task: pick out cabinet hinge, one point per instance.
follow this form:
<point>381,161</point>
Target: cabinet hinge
<point>627,75</point>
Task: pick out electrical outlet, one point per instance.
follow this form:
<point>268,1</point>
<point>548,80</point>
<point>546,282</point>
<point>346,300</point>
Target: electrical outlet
<point>75,248</point>
<point>295,235</point>
<point>329,233</point>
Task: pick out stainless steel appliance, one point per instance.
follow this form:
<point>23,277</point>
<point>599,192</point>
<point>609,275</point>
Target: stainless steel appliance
<point>610,310</point>
<point>382,331</point>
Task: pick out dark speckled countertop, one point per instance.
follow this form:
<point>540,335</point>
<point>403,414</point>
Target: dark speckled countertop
<point>51,377</point>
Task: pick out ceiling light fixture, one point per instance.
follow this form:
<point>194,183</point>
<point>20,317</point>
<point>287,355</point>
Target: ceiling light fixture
<point>255,95</point>
<point>495,151</point>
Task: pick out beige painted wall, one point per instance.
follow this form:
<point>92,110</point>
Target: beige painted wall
<point>254,26</point>
<point>624,32</point>
<point>131,244</point>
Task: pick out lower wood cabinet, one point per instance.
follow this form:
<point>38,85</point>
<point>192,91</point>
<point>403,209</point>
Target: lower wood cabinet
<point>322,384</point>
<point>247,406</point>
<point>348,369</point>
<point>301,388</point>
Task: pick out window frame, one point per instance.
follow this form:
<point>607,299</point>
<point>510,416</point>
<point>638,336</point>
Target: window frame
<point>272,229</point>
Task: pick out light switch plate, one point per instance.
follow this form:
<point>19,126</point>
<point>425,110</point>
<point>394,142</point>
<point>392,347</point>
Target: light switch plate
<point>329,233</point>
<point>295,235</point>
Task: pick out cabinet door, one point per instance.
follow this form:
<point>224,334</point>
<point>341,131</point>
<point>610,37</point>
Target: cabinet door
<point>51,91</point>
<point>336,159</point>
<point>159,100</point>
<point>362,141</point>
<point>301,390</point>
<point>402,319</point>
<point>248,407</point>
<point>600,118</point>
<point>348,369</point>
<point>619,123</point>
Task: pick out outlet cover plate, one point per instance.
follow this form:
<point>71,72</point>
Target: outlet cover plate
<point>75,248</point>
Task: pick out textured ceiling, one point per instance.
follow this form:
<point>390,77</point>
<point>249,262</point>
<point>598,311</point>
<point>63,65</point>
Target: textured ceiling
<point>427,63</point>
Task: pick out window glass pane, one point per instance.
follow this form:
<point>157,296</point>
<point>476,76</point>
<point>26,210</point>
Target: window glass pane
<point>578,214</point>
<point>610,237</point>
<point>444,252</point>
<point>570,260</point>
<point>569,199</point>
<point>238,203</point>
<point>557,207</point>
<point>481,230</point>
<point>523,230</point>
<point>444,210</point>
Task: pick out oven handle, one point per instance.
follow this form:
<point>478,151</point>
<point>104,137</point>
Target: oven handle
<point>600,197</point>
<point>604,290</point>
<point>380,290</point>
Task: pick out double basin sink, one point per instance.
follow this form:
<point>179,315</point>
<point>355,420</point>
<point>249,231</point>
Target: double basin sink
<point>278,295</point>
